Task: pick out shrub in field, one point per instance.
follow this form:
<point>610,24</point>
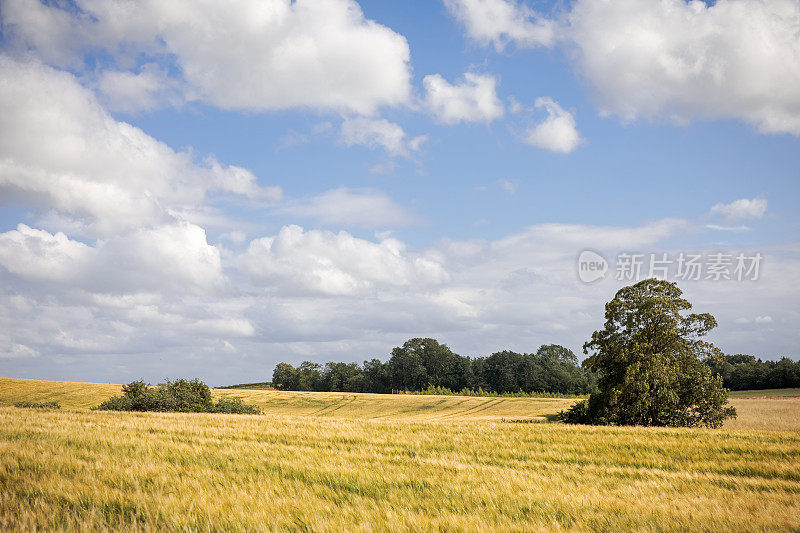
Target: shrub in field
<point>38,405</point>
<point>234,406</point>
<point>649,358</point>
<point>182,395</point>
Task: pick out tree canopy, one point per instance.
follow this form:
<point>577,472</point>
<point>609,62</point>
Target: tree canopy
<point>424,363</point>
<point>649,358</point>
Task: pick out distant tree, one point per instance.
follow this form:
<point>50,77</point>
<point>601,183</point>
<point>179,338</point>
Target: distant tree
<point>376,376</point>
<point>406,367</point>
<point>285,377</point>
<point>502,371</point>
<point>343,377</point>
<point>432,364</point>
<point>424,363</point>
<point>649,358</point>
<point>557,353</point>
<point>309,377</point>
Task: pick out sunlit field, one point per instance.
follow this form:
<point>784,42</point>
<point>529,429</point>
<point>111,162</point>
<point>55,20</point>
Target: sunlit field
<point>334,461</point>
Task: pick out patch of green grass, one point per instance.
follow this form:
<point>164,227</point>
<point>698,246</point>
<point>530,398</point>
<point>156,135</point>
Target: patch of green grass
<point>766,393</point>
<point>38,405</point>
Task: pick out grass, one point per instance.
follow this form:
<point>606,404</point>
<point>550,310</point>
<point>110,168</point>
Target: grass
<point>70,395</point>
<point>767,393</point>
<point>321,404</point>
<point>347,462</point>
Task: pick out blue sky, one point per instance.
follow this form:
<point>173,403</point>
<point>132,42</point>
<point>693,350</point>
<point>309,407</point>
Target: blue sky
<point>223,189</point>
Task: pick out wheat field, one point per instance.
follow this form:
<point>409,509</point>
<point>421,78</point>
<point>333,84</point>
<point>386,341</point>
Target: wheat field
<point>335,462</point>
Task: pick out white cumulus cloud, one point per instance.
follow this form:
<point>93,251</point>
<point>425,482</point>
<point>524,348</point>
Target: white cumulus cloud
<point>172,258</point>
<point>379,133</point>
<point>683,61</point>
<point>474,99</point>
<point>245,54</point>
<point>558,132</point>
<point>60,150</point>
<point>741,209</point>
<point>324,262</point>
<point>499,22</point>
<point>673,60</point>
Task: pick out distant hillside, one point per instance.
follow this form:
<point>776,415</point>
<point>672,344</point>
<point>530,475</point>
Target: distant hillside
<point>264,385</point>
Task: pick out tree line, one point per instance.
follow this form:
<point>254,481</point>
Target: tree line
<point>745,372</point>
<point>421,364</point>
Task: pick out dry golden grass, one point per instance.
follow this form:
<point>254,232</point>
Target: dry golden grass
<point>357,462</point>
<point>83,470</point>
<point>765,413</point>
<point>71,395</point>
<point>327,404</point>
<point>772,413</point>
<point>398,406</point>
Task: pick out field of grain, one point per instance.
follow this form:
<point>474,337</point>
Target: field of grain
<point>343,462</point>
<point>322,404</point>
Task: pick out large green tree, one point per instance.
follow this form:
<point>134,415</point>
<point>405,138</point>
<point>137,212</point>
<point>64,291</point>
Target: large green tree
<point>649,358</point>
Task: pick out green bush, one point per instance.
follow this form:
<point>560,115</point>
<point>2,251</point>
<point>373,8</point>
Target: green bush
<point>39,405</point>
<point>235,406</point>
<point>182,395</point>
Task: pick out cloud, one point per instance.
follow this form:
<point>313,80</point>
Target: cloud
<point>171,258</point>
<point>323,262</point>
<point>246,55</point>
<point>741,209</point>
<point>364,208</point>
<point>685,61</point>
<point>558,132</point>
<point>499,22</point>
<point>60,151</point>
<point>472,100</point>
<point>765,319</point>
<point>671,60</point>
<point>379,133</point>
<point>510,186</point>
<point>311,294</point>
<point>717,227</point>
<point>17,351</point>
<point>146,90</point>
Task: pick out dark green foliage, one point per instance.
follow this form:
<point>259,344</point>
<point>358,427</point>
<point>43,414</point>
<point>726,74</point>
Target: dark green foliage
<point>425,364</point>
<point>745,372</point>
<point>284,377</point>
<point>234,406</point>
<point>182,395</point>
<point>649,360</point>
<point>38,405</point>
<point>376,377</point>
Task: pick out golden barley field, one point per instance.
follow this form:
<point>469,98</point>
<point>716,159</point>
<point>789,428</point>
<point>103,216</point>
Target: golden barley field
<point>344,462</point>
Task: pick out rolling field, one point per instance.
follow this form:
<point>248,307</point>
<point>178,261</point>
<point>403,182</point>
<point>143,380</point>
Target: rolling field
<point>323,404</point>
<point>335,462</point>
